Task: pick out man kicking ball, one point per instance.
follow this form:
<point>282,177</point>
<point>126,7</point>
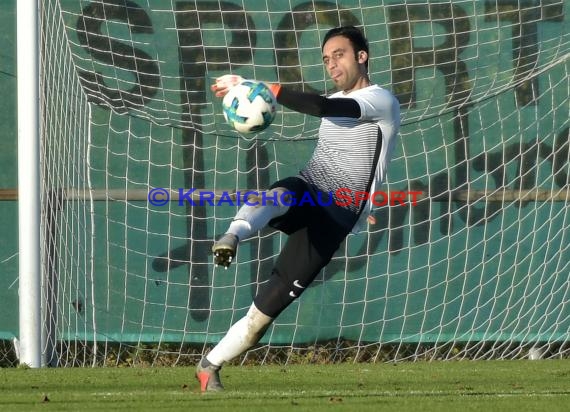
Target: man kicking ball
<point>357,136</point>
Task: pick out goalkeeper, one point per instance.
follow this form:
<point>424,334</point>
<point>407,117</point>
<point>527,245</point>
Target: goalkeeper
<point>357,136</point>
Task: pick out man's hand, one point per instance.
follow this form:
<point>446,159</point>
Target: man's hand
<point>225,83</point>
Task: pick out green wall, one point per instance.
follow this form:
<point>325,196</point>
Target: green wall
<point>427,274</point>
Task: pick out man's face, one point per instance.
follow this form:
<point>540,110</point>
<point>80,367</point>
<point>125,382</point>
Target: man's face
<point>343,67</point>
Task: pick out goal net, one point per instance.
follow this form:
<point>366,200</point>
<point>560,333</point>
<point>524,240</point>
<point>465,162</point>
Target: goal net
<point>478,267</point>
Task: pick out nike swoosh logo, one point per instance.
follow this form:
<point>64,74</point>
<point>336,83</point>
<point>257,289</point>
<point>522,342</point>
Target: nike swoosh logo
<point>292,294</point>
<point>297,284</point>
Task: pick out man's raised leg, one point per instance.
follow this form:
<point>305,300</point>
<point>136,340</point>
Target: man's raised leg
<point>250,218</point>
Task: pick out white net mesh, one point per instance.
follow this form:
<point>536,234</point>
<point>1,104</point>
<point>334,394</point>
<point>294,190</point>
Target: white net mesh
<point>478,268</point>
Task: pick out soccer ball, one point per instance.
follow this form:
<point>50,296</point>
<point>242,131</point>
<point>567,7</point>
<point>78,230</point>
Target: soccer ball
<point>249,107</point>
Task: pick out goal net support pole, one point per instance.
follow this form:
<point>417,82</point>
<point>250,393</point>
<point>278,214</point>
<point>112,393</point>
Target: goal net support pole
<point>28,183</point>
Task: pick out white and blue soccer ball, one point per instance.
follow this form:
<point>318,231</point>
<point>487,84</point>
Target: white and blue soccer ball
<point>249,107</point>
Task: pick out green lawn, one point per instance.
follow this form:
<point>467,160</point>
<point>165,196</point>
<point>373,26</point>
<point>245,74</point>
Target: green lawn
<point>436,386</point>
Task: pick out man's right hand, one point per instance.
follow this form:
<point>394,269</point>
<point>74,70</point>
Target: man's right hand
<point>224,83</point>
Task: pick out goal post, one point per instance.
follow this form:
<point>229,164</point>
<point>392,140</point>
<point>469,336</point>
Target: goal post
<point>476,268</point>
<point>30,325</point>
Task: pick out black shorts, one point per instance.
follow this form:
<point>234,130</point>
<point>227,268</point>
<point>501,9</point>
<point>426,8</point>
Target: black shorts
<point>313,239</point>
<point>323,232</point>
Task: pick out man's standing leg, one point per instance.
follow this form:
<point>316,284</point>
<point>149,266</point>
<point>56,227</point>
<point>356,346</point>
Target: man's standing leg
<point>245,333</point>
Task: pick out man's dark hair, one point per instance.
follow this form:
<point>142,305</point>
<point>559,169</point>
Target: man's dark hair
<point>353,34</point>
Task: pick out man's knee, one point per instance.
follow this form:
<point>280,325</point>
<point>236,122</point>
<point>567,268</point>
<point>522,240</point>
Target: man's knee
<point>278,196</point>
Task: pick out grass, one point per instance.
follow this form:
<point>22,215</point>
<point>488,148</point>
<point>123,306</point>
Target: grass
<point>436,386</point>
